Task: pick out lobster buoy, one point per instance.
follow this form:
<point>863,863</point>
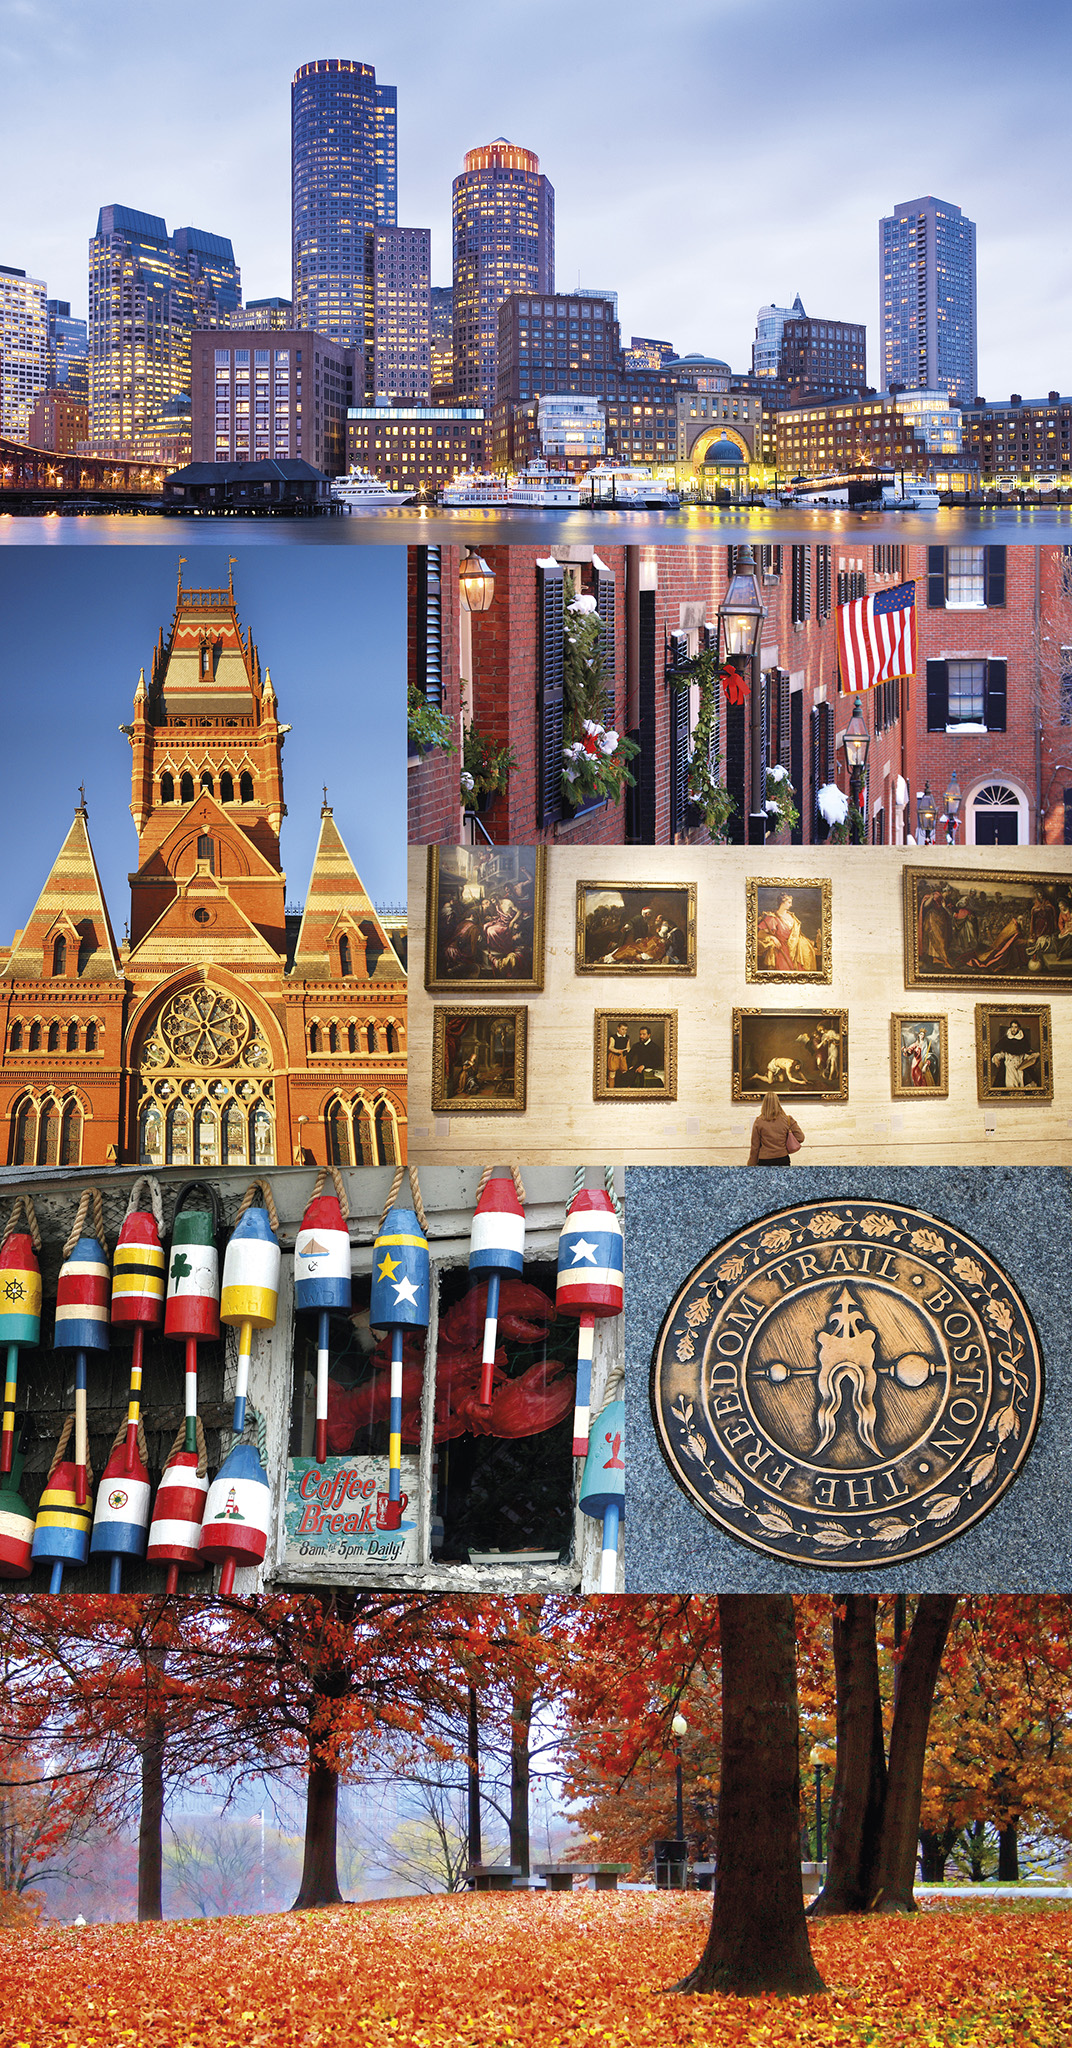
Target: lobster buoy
<point>235,1529</point>
<point>138,1299</point>
<point>192,1307</point>
<point>322,1279</point>
<point>175,1530</point>
<point>590,1284</point>
<point>496,1246</point>
<point>603,1486</point>
<point>399,1302</point>
<point>251,1266</point>
<point>121,1518</point>
<point>16,1525</point>
<point>20,1310</point>
<point>82,1295</point>
<point>61,1534</point>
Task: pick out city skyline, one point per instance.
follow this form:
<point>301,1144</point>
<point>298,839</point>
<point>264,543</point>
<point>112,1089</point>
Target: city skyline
<point>835,128</point>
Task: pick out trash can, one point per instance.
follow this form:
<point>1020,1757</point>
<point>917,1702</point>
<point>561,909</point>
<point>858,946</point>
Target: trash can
<point>671,1864</point>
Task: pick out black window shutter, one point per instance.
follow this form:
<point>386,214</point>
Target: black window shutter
<point>796,760</point>
<point>714,749</point>
<point>994,578</point>
<point>428,652</point>
<point>1068,817</point>
<point>645,733</point>
<point>937,696</point>
<point>679,758</point>
<point>605,609</point>
<point>996,694</point>
<point>550,691</point>
<point>936,568</point>
<point>784,717</point>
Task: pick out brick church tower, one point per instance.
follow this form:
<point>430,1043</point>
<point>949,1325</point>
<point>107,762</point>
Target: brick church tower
<point>218,1034</point>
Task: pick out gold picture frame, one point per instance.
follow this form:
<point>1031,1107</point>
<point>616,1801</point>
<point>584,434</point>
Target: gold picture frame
<point>802,1054</point>
<point>919,1057</point>
<point>1013,1052</point>
<point>484,920</point>
<point>635,1056</point>
<point>479,1059</point>
<point>787,930</point>
<point>636,928</point>
<point>987,928</point>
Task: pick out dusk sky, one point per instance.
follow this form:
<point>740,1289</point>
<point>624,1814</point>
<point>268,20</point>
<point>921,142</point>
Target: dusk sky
<point>706,160</point>
<point>79,624</point>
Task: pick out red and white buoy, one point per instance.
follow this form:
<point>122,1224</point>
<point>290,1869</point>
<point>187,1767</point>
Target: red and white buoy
<point>496,1246</point>
<point>82,1293</point>
<point>322,1280</point>
<point>20,1308</point>
<point>590,1284</point>
<point>175,1530</point>
<point>192,1306</point>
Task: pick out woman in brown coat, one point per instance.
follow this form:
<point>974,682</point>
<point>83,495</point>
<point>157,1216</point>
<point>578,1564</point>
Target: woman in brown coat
<point>770,1134</point>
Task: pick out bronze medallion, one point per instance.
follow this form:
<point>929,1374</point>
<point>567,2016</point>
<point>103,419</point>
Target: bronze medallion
<point>846,1384</point>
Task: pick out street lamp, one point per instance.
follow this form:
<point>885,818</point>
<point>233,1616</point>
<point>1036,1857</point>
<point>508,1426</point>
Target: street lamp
<point>953,802</point>
<point>476,582</point>
<point>927,814</point>
<point>679,1727</point>
<point>855,745</point>
<point>818,1758</point>
<point>740,617</point>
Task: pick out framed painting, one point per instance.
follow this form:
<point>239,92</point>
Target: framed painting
<point>919,1057</point>
<point>635,1056</point>
<point>478,1060</point>
<point>972,927</point>
<point>636,928</point>
<point>1013,1056</point>
<point>802,1054</point>
<point>485,919</point>
<point>788,930</point>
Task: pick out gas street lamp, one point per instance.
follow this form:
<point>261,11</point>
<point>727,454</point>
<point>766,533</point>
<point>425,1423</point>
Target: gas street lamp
<point>740,618</point>
<point>953,802</point>
<point>855,745</point>
<point>926,814</point>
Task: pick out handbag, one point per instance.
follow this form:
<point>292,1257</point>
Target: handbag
<point>792,1142</point>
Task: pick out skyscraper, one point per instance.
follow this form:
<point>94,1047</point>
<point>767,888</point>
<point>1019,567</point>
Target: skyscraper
<point>67,359</point>
<point>23,336</point>
<point>147,292</point>
<point>504,241</point>
<point>928,299</point>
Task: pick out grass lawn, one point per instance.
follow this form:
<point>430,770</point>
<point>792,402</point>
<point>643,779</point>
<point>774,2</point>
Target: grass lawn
<point>563,1971</point>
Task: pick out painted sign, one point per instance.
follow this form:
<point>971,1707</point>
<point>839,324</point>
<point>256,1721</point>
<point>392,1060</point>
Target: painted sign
<point>338,1513</point>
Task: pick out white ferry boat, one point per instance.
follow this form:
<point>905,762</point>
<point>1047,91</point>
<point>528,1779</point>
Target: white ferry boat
<point>630,489</point>
<point>474,488</point>
<point>359,491</point>
<point>543,488</point>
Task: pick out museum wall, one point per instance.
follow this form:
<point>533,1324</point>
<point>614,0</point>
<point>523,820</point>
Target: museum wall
<point>704,1125</point>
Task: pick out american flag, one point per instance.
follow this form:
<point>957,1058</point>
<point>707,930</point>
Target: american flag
<point>876,638</point>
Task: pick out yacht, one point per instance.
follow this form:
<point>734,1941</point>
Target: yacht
<point>359,490</point>
<point>629,489</point>
<point>474,488</point>
<point>540,487</point>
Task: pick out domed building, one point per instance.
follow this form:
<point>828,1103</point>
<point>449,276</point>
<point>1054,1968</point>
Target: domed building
<point>223,1031</point>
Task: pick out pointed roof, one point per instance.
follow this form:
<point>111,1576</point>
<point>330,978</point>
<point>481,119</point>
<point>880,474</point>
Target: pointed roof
<point>337,899</point>
<point>203,926</point>
<point>206,667</point>
<point>72,902</point>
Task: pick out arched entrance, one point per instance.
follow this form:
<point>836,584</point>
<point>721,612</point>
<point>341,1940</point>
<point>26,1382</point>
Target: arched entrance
<point>996,814</point>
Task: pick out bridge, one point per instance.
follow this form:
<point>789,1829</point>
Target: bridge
<point>37,480</point>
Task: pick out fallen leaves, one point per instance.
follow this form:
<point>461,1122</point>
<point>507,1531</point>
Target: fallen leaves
<point>528,1971</point>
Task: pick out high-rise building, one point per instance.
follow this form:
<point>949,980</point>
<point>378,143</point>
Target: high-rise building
<point>766,347</point>
<point>23,342</point>
<point>147,292</point>
<point>928,299</point>
<point>252,402</point>
<point>67,351</point>
<point>798,357</point>
<point>504,241</point>
<point>358,278</point>
<point>441,336</point>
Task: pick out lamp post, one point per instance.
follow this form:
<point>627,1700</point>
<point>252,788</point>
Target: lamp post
<point>926,814</point>
<point>818,1758</point>
<point>855,745</point>
<point>740,618</point>
<point>679,1727</point>
<point>953,802</point>
<point>476,589</point>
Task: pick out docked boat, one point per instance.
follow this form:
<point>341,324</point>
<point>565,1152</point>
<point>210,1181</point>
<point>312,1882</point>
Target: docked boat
<point>543,489</point>
<point>628,489</point>
<point>474,488</point>
<point>360,491</point>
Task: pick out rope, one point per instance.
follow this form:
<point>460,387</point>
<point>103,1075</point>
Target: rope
<point>149,1181</point>
<point>395,1185</point>
<point>180,1445</point>
<point>261,1426</point>
<point>614,1388</point>
<point>340,1188</point>
<point>65,1438</point>
<point>415,1185</point>
<point>608,1183</point>
<point>120,1437</point>
<point>578,1181</point>
<point>24,1207</point>
<point>515,1176</point>
<point>91,1198</point>
<point>269,1203</point>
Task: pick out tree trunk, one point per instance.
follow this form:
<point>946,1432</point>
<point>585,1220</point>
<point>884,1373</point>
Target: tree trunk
<point>934,1848</point>
<point>520,1724</point>
<point>860,1772</point>
<point>758,1940</point>
<point>908,1744</point>
<point>320,1877</point>
<point>151,1821</point>
<point>474,1779</point>
<point>1008,1854</point>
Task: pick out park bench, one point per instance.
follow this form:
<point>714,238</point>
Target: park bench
<point>492,1877</point>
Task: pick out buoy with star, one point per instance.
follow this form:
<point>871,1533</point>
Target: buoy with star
<point>322,1280</point>
<point>590,1284</point>
<point>400,1286</point>
<point>20,1310</point>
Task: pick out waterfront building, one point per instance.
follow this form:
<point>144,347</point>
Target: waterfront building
<point>927,294</point>
<point>147,292</point>
<point>225,1030</point>
<point>58,422</point>
<point>416,447</point>
<point>274,395</point>
<point>504,242</point>
<point>1022,442</point>
<point>23,348</point>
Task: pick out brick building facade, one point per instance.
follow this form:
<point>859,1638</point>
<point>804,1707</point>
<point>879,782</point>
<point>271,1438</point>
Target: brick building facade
<point>223,1031</point>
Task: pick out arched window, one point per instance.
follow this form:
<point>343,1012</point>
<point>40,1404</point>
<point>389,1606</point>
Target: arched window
<point>53,1036</point>
<point>351,1038</point>
<point>370,1037</point>
<point>245,788</point>
<point>226,788</point>
<point>207,783</point>
<point>23,1133</point>
<point>35,1037</point>
<point>206,850</point>
<point>392,1039</point>
<point>71,1133</point>
<point>364,1136</point>
<point>186,788</point>
<point>167,788</point>
<point>59,956</point>
<point>345,961</point>
<point>386,1143</point>
<point>48,1135</point>
<point>15,1036</point>
<point>206,1136</point>
<point>91,1038</point>
<point>262,1139</point>
<point>338,1135</point>
<point>314,1038</point>
<point>178,1135</point>
<point>234,1136</point>
<point>150,1137</point>
<point>206,658</point>
<point>333,1038</point>
<point>72,1037</point>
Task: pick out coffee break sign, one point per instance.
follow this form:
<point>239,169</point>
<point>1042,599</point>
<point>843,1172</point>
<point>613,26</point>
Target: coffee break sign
<point>339,1512</point>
